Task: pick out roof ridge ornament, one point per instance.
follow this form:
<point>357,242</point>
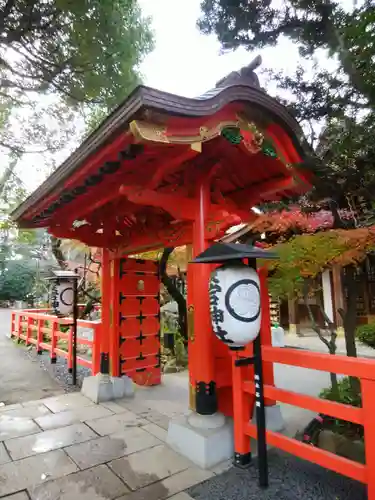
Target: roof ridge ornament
<point>245,75</point>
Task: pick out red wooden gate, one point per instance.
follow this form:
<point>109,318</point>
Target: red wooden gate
<point>136,317</point>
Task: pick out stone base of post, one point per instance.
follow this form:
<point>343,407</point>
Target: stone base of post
<point>103,387</point>
<point>206,440</point>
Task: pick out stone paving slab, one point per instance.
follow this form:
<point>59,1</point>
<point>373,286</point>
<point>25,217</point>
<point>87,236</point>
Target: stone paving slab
<point>66,402</point>
<point>146,409</point>
<point>223,466</point>
<point>29,412</point>
<point>116,423</point>
<point>171,486</point>
<point>156,431</point>
<point>49,440</point>
<point>97,451</point>
<point>114,407</point>
<point>4,455</point>
<point>14,406</point>
<point>98,483</point>
<point>136,439</point>
<point>149,466</point>
<point>13,427</point>
<point>181,496</point>
<point>32,471</point>
<point>134,404</point>
<point>157,418</point>
<point>22,495</point>
<point>69,417</point>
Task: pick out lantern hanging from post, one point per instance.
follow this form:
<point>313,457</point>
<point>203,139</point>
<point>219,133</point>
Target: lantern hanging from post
<point>63,294</point>
<point>65,302</point>
<point>235,305</point>
<point>234,290</point>
<point>235,308</point>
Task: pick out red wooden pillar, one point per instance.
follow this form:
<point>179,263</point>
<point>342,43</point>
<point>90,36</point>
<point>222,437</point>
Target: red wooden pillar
<point>368,405</point>
<point>105,331</point>
<point>202,348</point>
<point>243,405</point>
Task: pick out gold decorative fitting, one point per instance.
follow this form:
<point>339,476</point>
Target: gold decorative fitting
<point>141,286</point>
<point>190,318</point>
<point>148,131</point>
<point>192,404</point>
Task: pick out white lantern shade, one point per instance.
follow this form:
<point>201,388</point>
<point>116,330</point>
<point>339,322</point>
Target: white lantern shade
<point>63,297</point>
<point>235,304</point>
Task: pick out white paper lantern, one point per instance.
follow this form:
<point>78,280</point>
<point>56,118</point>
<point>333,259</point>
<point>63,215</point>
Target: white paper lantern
<point>235,304</point>
<point>63,297</point>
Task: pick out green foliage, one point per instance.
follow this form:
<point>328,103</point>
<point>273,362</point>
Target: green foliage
<point>303,256</point>
<point>81,56</point>
<point>312,24</point>
<point>17,281</point>
<point>85,50</point>
<point>347,396</point>
<point>341,99</point>
<point>366,334</point>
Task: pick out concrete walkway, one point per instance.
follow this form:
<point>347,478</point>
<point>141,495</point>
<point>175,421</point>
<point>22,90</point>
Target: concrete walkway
<point>313,343</point>
<point>21,378</point>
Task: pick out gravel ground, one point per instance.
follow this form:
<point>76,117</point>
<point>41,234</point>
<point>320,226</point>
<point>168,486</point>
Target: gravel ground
<point>59,371</point>
<point>290,479</point>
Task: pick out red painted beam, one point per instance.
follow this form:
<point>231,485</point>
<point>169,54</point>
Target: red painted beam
<point>250,196</point>
<point>331,408</point>
<point>324,458</point>
<point>168,166</point>
<point>179,206</point>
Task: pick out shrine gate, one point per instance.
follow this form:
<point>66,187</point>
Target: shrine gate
<point>165,171</point>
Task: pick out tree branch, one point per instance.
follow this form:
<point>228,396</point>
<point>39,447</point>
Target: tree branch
<point>174,292</point>
<point>314,324</point>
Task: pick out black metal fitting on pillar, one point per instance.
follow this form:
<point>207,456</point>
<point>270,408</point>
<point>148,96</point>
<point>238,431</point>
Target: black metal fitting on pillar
<point>104,363</point>
<point>242,460</point>
<point>206,398</point>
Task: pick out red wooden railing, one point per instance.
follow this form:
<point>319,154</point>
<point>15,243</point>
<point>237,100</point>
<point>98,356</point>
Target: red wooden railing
<point>363,369</point>
<point>37,327</point>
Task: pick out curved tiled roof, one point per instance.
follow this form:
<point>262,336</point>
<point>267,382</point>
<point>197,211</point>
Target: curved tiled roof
<point>242,86</point>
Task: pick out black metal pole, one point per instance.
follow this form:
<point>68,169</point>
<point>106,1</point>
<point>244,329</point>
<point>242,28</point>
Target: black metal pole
<point>260,415</point>
<point>74,338</point>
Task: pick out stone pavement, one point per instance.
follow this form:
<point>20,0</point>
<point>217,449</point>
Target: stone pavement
<point>68,448</point>
<point>21,377</point>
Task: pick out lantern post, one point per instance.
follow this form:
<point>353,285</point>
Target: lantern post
<point>236,309</point>
<point>64,303</point>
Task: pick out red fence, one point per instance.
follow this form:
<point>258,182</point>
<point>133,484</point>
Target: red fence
<point>37,327</point>
<point>363,369</point>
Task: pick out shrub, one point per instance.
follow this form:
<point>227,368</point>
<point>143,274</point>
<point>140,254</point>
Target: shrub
<point>347,396</point>
<point>366,334</point>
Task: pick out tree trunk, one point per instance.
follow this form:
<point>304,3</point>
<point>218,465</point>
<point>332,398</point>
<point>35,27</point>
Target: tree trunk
<point>350,321</point>
<point>57,252</point>
<point>350,316</point>
<point>174,292</point>
<point>330,344</point>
